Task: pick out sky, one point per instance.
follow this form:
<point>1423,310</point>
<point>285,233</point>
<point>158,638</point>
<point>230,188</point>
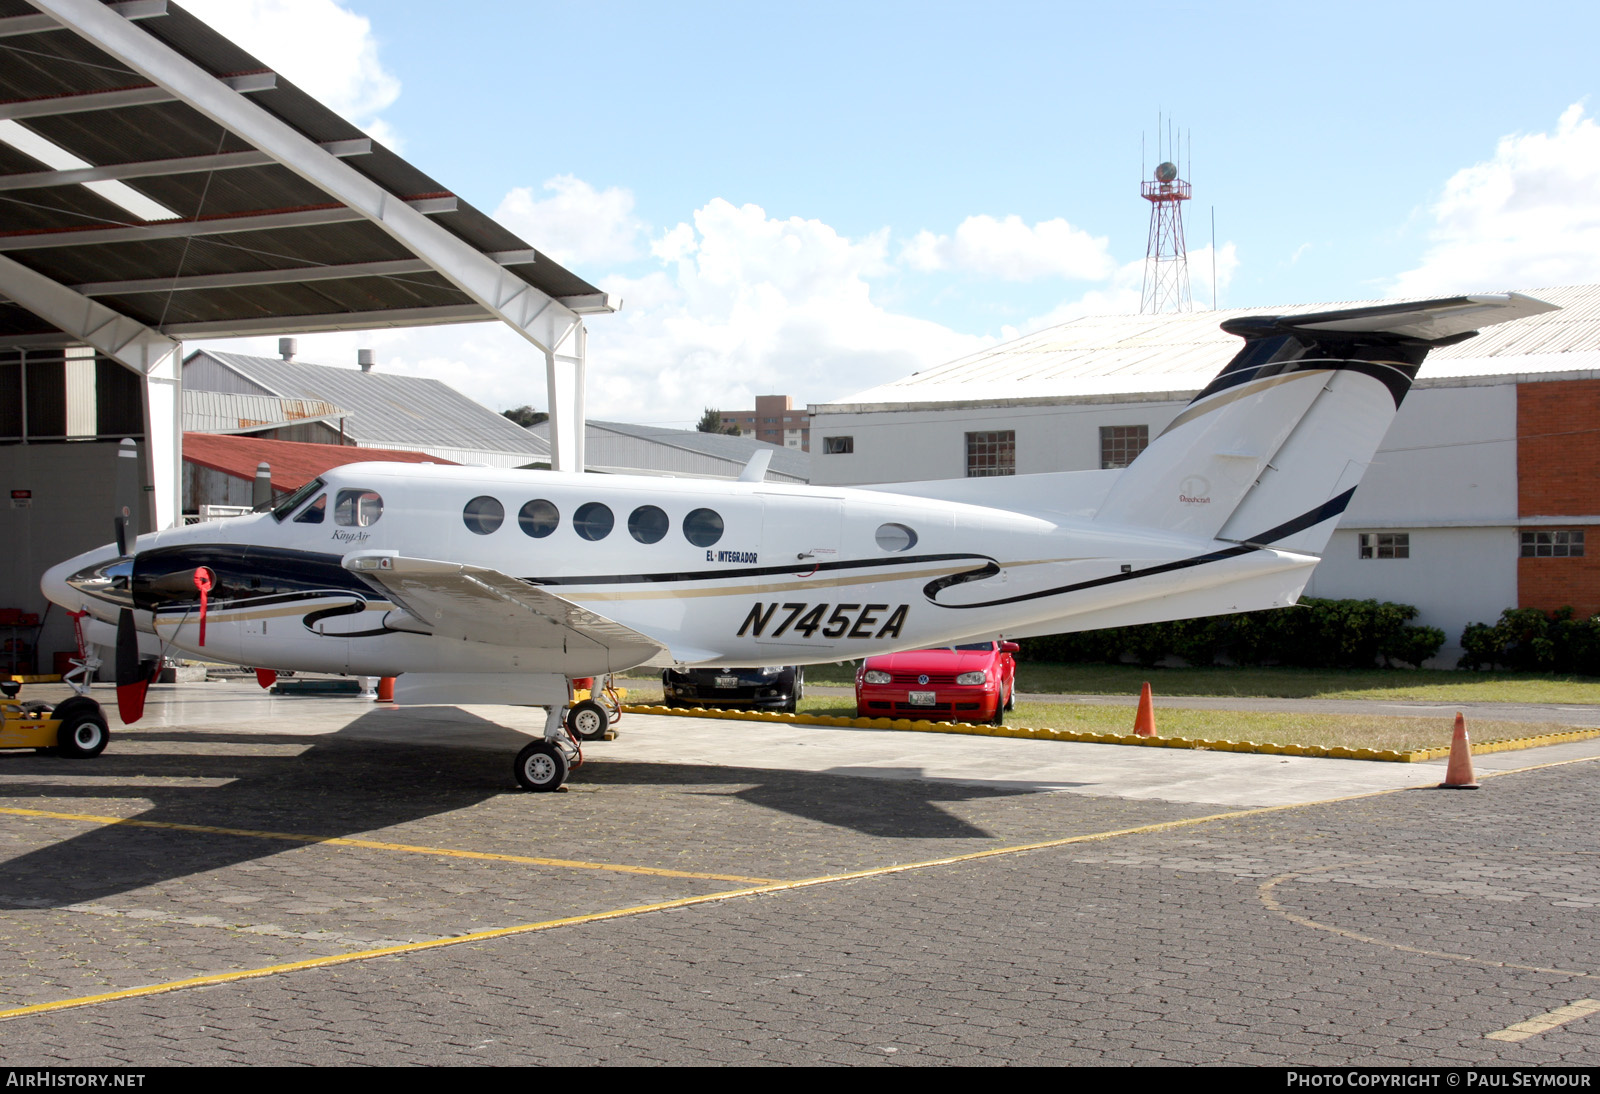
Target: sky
<point>813,199</point>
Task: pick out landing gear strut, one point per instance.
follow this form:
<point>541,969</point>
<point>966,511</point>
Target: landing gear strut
<point>544,765</point>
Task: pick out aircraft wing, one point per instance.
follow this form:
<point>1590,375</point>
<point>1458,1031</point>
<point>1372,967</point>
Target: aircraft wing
<point>479,604</point>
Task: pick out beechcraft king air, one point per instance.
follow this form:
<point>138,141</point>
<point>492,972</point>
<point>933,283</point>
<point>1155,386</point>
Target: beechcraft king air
<point>499,586</point>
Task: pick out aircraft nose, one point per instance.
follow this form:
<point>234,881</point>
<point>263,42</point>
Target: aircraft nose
<point>98,580</point>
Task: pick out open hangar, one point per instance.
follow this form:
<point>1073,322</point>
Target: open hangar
<point>158,183</point>
<point>1479,499</point>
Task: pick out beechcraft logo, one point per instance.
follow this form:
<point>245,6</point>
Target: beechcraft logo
<point>1195,490</point>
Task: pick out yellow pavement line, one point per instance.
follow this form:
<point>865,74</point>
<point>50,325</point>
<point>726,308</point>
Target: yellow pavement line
<point>686,902</point>
<point>639,909</point>
<point>1331,752</point>
<point>375,845</point>
<point>1549,1020</point>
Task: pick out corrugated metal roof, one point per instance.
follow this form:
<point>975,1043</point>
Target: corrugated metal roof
<point>387,410</point>
<point>226,412</point>
<point>710,453</point>
<point>1101,355</point>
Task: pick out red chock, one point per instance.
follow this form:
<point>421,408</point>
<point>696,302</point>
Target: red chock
<point>1458,772</point>
<point>1144,722</point>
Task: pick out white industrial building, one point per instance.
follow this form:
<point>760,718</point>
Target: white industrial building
<point>1477,501</point>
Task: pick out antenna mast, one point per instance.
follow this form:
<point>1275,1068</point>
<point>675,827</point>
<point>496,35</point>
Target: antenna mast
<point>1166,258</point>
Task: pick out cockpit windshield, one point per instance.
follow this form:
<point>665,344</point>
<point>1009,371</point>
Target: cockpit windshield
<point>282,508</point>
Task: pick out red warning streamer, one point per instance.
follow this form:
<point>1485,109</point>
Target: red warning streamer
<point>204,580</point>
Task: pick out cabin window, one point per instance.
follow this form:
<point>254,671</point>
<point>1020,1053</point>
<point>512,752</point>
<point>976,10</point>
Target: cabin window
<point>313,513</point>
<point>648,524</point>
<point>539,518</point>
<point>483,514</point>
<point>703,527</point>
<point>593,521</point>
<point>896,537</point>
<point>357,508</point>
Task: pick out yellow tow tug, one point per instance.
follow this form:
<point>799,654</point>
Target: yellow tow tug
<point>74,728</point>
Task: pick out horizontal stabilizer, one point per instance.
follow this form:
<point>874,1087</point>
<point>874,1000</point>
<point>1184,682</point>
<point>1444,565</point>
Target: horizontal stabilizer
<point>1270,452</point>
<point>1435,321</point>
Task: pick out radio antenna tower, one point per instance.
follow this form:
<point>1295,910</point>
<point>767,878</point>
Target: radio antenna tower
<point>1166,258</point>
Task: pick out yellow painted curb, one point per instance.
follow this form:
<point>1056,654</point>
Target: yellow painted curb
<point>1386,755</point>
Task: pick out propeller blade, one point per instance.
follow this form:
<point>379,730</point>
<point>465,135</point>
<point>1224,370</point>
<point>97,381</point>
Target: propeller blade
<point>126,495</point>
<point>132,679</point>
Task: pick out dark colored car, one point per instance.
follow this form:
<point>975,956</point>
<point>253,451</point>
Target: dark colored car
<point>972,682</point>
<point>777,687</point>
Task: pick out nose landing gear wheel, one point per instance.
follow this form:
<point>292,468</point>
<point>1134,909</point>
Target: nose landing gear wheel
<point>588,721</point>
<point>541,767</point>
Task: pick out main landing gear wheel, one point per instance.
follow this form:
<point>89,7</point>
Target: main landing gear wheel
<point>541,767</point>
<point>83,734</point>
<point>588,721</point>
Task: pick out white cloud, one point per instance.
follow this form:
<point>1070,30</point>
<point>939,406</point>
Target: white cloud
<point>1526,218</point>
<point>322,48</point>
<point>1122,294</point>
<point>743,305</point>
<point>1011,250</point>
<point>751,305</point>
<point>576,224</point>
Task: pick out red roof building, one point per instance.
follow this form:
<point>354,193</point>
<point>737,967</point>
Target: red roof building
<point>221,470</point>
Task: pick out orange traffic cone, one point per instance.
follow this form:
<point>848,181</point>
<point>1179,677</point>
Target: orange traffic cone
<point>1144,722</point>
<point>1458,772</point>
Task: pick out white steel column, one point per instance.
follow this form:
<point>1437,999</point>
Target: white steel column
<point>154,356</point>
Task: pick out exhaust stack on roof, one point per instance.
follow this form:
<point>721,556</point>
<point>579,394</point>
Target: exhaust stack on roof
<point>287,348</point>
<point>364,359</point>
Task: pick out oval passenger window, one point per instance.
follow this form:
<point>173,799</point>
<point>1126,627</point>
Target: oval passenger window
<point>593,521</point>
<point>648,524</point>
<point>896,537</point>
<point>483,514</point>
<point>703,527</point>
<point>539,518</point>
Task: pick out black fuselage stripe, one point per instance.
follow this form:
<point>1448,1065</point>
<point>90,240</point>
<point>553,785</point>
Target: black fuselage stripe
<point>1312,517</point>
<point>796,568</point>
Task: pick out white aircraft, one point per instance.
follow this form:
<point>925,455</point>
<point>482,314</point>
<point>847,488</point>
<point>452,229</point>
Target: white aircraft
<point>499,586</point>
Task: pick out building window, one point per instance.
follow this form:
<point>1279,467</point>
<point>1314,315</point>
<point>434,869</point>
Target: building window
<point>992,453</point>
<point>1385,544</point>
<point>1119,444</point>
<point>1552,544</point>
<point>838,446</point>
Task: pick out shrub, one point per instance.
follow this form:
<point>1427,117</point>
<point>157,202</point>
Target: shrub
<point>1316,634</point>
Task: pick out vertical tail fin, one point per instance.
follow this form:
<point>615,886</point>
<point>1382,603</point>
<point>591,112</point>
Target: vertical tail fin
<point>1273,448</point>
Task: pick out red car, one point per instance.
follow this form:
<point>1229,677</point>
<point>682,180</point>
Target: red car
<point>973,682</point>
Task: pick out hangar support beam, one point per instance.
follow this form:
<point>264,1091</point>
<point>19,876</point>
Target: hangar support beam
<point>550,325</point>
<point>156,358</point>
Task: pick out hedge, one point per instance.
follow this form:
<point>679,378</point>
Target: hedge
<point>1531,640</point>
<point>1314,634</point>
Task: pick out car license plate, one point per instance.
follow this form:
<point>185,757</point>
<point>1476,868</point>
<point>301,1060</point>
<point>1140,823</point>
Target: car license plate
<point>921,698</point>
<point>727,681</point>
